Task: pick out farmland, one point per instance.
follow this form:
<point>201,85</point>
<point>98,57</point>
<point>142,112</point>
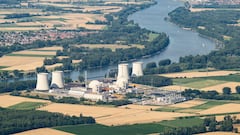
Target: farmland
<point>113,47</point>
<point>7,100</point>
<point>28,60</point>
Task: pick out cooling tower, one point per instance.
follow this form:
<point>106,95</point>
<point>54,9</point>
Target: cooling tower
<point>123,71</point>
<point>137,69</point>
<point>57,79</point>
<point>42,82</point>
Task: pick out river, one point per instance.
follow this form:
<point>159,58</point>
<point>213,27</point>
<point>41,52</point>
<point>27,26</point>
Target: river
<point>182,42</point>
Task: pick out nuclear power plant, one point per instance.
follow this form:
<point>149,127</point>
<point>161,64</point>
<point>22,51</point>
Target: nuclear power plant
<point>57,79</point>
<point>107,89</point>
<point>42,82</point>
<point>137,69</point>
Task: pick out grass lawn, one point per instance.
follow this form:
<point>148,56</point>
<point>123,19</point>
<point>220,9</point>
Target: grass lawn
<point>209,104</point>
<point>27,105</point>
<point>136,129</point>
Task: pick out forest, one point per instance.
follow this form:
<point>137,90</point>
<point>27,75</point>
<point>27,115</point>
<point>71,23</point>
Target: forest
<point>14,121</point>
<point>217,24</point>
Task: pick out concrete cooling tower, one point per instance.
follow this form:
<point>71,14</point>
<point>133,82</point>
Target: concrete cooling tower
<point>42,82</point>
<point>57,79</point>
<point>123,71</point>
<point>137,69</point>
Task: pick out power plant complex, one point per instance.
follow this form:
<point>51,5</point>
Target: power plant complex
<point>97,90</point>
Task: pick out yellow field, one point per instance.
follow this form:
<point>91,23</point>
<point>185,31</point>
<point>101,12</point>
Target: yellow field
<point>221,118</point>
<point>29,52</point>
<point>219,87</point>
<point>201,9</point>
<point>113,47</point>
<point>48,67</point>
<point>198,74</point>
<point>113,116</point>
<point>29,63</point>
<point>76,61</point>
<point>218,133</point>
<point>174,88</point>
<point>104,9</point>
<point>44,131</point>
<point>53,48</point>
<point>139,107</point>
<point>189,103</point>
<point>7,100</point>
<point>18,61</point>
<point>226,108</point>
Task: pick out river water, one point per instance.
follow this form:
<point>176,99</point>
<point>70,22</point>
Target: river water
<point>182,42</point>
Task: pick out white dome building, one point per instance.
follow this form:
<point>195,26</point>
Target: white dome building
<point>95,86</point>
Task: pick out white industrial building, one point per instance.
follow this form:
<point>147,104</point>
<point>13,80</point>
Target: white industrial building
<point>137,69</point>
<point>57,79</point>
<point>42,82</point>
<point>123,71</point>
<point>95,85</point>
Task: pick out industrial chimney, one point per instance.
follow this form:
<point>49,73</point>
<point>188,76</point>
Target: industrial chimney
<point>123,72</point>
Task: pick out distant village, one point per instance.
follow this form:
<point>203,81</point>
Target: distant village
<point>220,2</point>
<point>11,38</point>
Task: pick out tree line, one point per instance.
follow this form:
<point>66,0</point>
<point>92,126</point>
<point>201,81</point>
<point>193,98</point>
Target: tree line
<point>14,121</point>
<point>209,125</point>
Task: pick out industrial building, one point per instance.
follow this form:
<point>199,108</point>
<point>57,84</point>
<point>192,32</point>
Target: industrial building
<point>137,69</point>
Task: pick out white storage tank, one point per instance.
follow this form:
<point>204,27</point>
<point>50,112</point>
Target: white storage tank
<point>57,79</point>
<point>137,69</point>
<point>42,82</point>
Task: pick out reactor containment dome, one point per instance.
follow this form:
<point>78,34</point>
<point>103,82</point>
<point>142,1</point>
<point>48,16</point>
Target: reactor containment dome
<point>137,69</point>
<point>57,79</point>
<point>42,82</point>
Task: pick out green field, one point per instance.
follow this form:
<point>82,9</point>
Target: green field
<point>202,82</point>
<point>136,129</point>
<point>229,78</point>
<point>185,122</point>
<point>27,105</point>
<point>209,104</point>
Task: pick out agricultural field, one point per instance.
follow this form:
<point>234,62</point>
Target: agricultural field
<point>43,131</point>
<point>206,83</point>
<point>113,116</point>
<point>27,105</point>
<point>113,47</point>
<point>28,60</point>
<point>7,100</point>
<point>148,128</point>
<point>221,109</point>
<point>193,106</point>
<point>218,133</point>
<point>199,74</point>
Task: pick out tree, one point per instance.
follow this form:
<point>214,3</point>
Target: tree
<point>81,78</point>
<point>227,124</point>
<point>151,65</point>
<point>164,62</point>
<point>226,90</point>
<point>238,89</point>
